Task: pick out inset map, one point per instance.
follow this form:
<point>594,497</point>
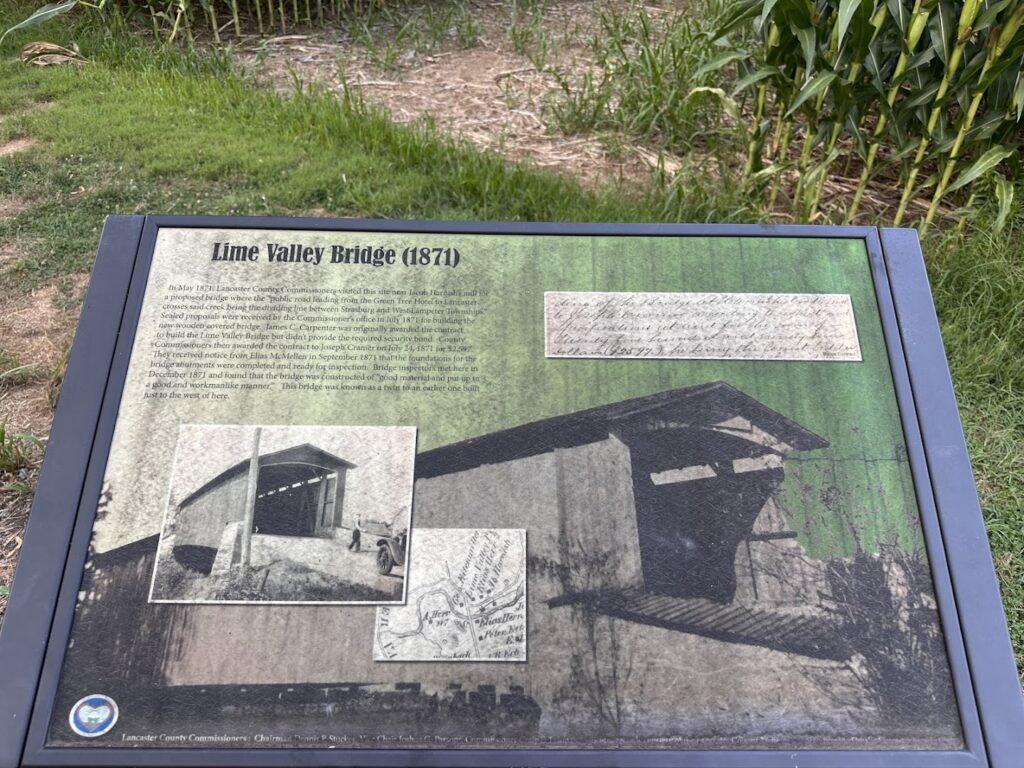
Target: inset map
<point>466,599</point>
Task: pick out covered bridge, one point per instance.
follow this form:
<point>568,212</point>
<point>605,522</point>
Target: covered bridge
<point>299,492</point>
<point>658,509</point>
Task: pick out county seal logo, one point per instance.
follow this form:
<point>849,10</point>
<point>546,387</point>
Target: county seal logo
<point>93,716</point>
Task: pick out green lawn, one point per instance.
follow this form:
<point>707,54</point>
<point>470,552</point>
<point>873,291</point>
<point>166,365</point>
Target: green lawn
<point>140,130</point>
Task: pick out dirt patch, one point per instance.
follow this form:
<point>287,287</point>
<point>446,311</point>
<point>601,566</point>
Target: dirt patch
<point>9,208</point>
<point>488,94</point>
<point>16,145</point>
<point>36,330</point>
<point>495,100</point>
<point>27,338</point>
<point>9,251</point>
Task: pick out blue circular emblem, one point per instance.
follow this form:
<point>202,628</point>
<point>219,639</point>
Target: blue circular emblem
<point>93,716</point>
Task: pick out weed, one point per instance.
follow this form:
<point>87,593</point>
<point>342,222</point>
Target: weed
<point>530,36</point>
<point>465,28</point>
<point>14,372</point>
<point>522,36</point>
<point>55,380</point>
<point>18,450</point>
<point>701,192</point>
<point>643,79</point>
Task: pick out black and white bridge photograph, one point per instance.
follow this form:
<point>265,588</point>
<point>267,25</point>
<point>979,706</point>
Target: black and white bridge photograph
<point>286,515</point>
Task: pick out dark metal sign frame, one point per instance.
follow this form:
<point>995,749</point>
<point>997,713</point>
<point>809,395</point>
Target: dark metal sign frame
<point>39,614</point>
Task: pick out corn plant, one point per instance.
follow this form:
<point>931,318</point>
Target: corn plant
<point>928,91</point>
<point>42,15</point>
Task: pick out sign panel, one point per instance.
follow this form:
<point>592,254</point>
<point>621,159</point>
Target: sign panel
<point>463,490</point>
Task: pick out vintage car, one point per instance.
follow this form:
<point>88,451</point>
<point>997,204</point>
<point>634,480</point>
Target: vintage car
<point>391,552</point>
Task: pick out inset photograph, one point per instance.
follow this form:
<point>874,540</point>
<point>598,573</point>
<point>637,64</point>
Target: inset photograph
<point>287,514</point>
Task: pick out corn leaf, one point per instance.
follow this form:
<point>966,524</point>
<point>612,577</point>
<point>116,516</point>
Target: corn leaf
<point>42,15</point>
<point>864,30</point>
<point>1018,94</point>
<point>873,66</point>
<point>981,166</point>
<point>991,79</point>
<point>806,37</point>
<point>767,172</point>
<point>928,183</point>
<point>907,148</point>
<point>900,15</point>
<point>941,28</point>
<point>719,62</point>
<point>920,59</point>
<point>1004,196</point>
<point>989,16</point>
<point>970,70</point>
<point>1001,91</point>
<point>896,128</point>
<point>740,15</point>
<point>799,13</point>
<point>818,83</point>
<point>985,128</point>
<point>860,141</point>
<point>846,10</point>
<point>754,78</point>
<point>728,104</point>
<point>922,97</point>
<point>766,12</point>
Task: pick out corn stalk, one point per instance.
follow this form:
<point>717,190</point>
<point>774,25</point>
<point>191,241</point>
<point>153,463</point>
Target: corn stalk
<point>907,85</point>
<point>995,56</point>
<point>173,18</point>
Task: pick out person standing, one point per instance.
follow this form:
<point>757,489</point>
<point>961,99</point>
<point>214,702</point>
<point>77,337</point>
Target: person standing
<point>356,535</point>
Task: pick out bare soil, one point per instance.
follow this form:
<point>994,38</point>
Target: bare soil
<point>488,94</point>
<point>16,145</point>
<point>9,252</point>
<point>36,330</point>
<point>9,208</point>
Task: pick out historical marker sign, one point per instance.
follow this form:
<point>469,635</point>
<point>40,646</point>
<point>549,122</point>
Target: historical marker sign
<point>338,492</point>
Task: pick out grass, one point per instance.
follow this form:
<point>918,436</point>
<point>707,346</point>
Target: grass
<point>180,133</point>
<point>978,285</point>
